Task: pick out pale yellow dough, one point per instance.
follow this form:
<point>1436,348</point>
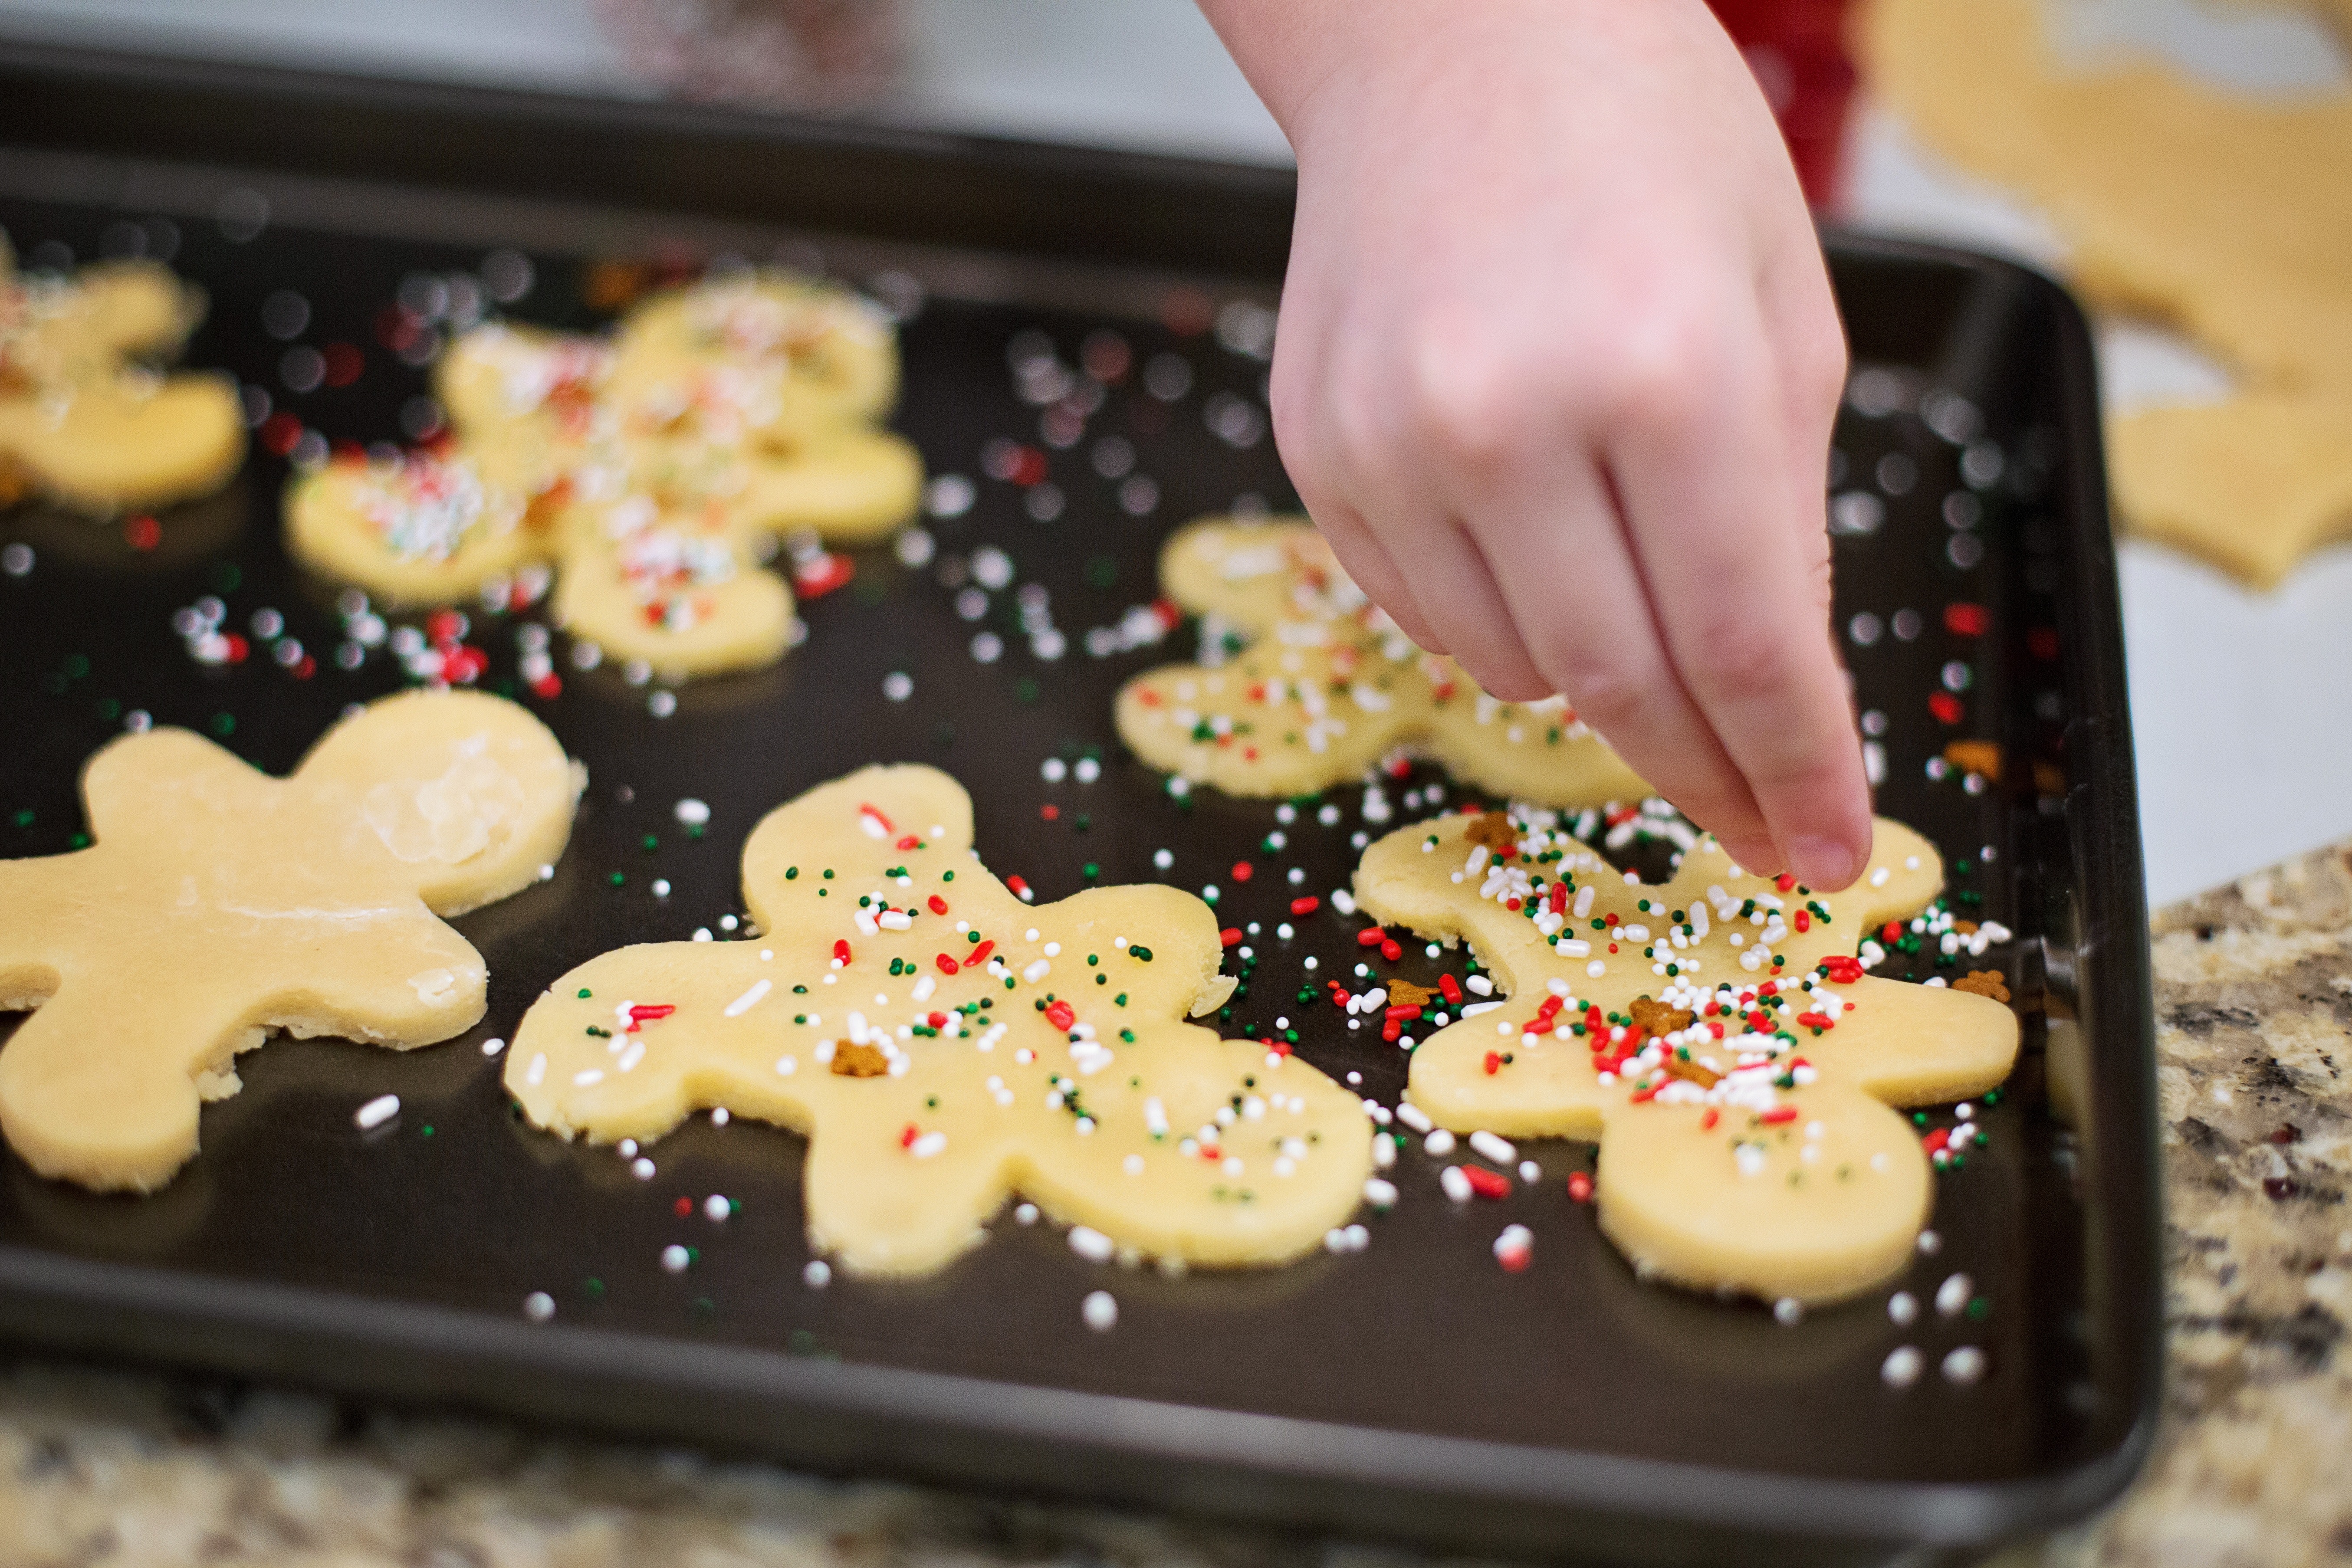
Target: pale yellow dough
<point>219,903</point>
<point>82,426</point>
<point>654,472</point>
<point>2228,215</point>
<point>1327,685</point>
<point>905,1167</point>
<point>1822,1204</point>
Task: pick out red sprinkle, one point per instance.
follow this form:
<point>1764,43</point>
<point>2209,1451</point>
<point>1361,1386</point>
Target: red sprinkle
<point>1370,937</point>
<point>979,955</point>
<point>1449,989</point>
<point>1965,620</point>
<point>1242,871</point>
<point>948,965</point>
<point>911,842</point>
<point>876,812</point>
<point>1019,888</point>
<point>645,1010</point>
<point>938,906</point>
<point>821,574</point>
<point>1803,920</point>
<point>1493,1062</point>
<point>1062,1015</point>
<point>142,533</point>
<point>906,1138</point>
<point>1405,1014</point>
<point>936,1020</point>
<point>1231,937</point>
<point>682,1208</point>
<point>1784,882</point>
<point>1307,905</point>
<point>1945,706</point>
<point>1779,1113</point>
<point>1050,812</point>
<point>1391,951</point>
<point>841,952</point>
<point>1580,1187</point>
<point>1486,1183</point>
<point>1706,1123</point>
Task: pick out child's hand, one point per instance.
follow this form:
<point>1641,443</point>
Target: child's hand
<point>1555,375</point>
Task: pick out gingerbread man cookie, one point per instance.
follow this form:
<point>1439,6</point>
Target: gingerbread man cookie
<point>219,903</point>
<point>1327,685</point>
<point>80,421</point>
<point>2228,214</point>
<point>1717,1035</point>
<point>944,1046</point>
<point>657,471</point>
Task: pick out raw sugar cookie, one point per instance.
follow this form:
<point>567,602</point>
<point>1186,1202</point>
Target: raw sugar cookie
<point>1717,1035</point>
<point>80,421</point>
<point>656,472</point>
<point>219,903</point>
<point>1324,685</point>
<point>944,1046</point>
<point>2227,214</point>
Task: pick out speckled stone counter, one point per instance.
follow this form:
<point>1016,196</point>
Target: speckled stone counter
<point>2254,1464</point>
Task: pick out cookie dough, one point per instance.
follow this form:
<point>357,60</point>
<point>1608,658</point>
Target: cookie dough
<point>655,471</point>
<point>1320,684</point>
<point>80,421</point>
<point>943,1047</point>
<point>2228,215</point>
<point>219,903</point>
<point>1717,1035</point>
<point>2254,483</point>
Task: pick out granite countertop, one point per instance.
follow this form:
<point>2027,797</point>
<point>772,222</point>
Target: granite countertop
<point>2253,1464</point>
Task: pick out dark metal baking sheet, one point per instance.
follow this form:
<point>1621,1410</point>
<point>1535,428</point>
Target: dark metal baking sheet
<point>1415,1389</point>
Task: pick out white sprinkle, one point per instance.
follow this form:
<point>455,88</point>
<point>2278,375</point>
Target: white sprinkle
<point>720,1116</point>
<point>716,1207</point>
<point>1457,1185</point>
<point>1953,1294</point>
<point>1514,1246</point>
<point>588,1078</point>
<point>1100,1311</point>
<point>1901,1368</point>
<point>749,999</point>
<point>539,1306</point>
<point>1930,1243</point>
<point>1413,1117</point>
<point>898,686</point>
<point>1438,1144</point>
<point>692,813</point>
<point>674,1259</point>
<point>786,1066</point>
<point>642,1169</point>
<point>536,1070</point>
<point>492,1046</point>
<point>1788,1312</point>
<point>1530,1172</point>
<point>1025,1215</point>
<point>1964,1366</point>
<point>929,1144</point>
<point>377,1112</point>
<point>1493,1148</point>
<point>1090,1244</point>
<point>1902,1308</point>
<point>818,1274</point>
<point>1036,971</point>
<point>1380,1193</point>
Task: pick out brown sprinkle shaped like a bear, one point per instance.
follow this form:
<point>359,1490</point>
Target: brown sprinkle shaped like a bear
<point>1495,830</point>
<point>1405,994</point>
<point>851,1060</point>
<point>1984,983</point>
<point>1656,1018</point>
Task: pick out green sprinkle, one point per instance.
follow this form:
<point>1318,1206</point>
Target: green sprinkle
<point>583,993</point>
<point>619,877</point>
<point>791,874</point>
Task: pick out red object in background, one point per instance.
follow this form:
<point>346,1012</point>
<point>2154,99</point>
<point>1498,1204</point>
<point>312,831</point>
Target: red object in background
<point>1797,49</point>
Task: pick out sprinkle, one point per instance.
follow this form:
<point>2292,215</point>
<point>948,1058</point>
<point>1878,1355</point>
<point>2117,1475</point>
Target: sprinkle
<point>818,1274</point>
<point>717,1207</point>
<point>1100,1311</point>
<point>691,812</point>
<point>1438,1144</point>
<point>1902,1308</point>
<point>1964,1366</point>
<point>539,1306</point>
<point>1901,1367</point>
<point>642,1169</point>
<point>1515,1249</point>
<point>1493,1148</point>
<point>1380,1193</point>
<point>377,1112</point>
<point>1413,1117</point>
<point>1026,1214</point>
<point>674,1259</point>
<point>1953,1294</point>
<point>749,999</point>
<point>1485,1183</point>
<point>1089,1243</point>
<point>1457,1185</point>
<point>492,1046</point>
<point>1788,1312</point>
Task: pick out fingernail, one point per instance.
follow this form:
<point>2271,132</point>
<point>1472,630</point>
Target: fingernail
<point>1825,863</point>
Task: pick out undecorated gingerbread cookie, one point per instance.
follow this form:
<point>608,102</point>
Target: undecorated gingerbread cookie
<point>219,903</point>
<point>79,421</point>
<point>2254,483</point>
<point>943,1047</point>
<point>656,472</point>
<point>1717,1035</point>
<point>1326,685</point>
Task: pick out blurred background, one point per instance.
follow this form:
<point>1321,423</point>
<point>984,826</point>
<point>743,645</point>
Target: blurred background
<point>2244,753</point>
